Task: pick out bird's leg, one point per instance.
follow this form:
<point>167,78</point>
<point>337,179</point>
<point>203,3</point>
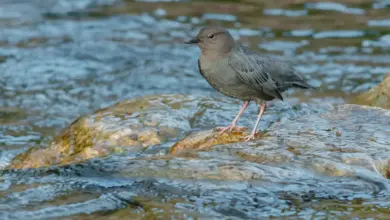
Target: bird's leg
<point>262,110</point>
<point>233,125</point>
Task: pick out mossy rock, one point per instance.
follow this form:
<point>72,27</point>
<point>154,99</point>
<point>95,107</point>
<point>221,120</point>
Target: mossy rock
<point>128,126</point>
<point>378,96</point>
<point>203,140</point>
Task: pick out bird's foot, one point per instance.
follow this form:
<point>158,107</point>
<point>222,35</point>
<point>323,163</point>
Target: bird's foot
<point>231,128</point>
<point>223,129</point>
<point>249,137</point>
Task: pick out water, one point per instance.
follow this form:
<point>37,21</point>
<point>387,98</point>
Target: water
<point>62,59</point>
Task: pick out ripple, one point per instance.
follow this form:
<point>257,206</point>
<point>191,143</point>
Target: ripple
<point>283,45</point>
<point>339,34</point>
<point>284,12</point>
<point>301,33</point>
<point>383,42</point>
<point>222,17</point>
<point>380,4</point>
<point>379,23</point>
<point>333,6</point>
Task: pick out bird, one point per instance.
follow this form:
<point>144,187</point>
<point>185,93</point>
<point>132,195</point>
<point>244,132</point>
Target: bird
<point>237,72</point>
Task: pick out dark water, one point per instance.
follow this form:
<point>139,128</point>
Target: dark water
<point>60,59</point>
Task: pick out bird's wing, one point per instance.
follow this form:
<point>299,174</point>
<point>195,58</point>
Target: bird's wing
<point>251,69</point>
<point>200,69</point>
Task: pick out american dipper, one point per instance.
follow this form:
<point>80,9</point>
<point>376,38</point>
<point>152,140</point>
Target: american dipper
<point>237,72</point>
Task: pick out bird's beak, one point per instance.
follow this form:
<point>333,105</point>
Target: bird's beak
<point>192,41</point>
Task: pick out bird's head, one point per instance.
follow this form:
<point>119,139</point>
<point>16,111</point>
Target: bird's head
<point>213,39</point>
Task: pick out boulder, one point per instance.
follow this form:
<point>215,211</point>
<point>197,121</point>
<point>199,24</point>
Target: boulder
<point>128,126</point>
<point>348,134</point>
<point>310,160</point>
<point>336,143</point>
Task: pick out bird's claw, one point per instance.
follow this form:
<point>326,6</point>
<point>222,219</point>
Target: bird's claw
<point>223,129</point>
<point>249,137</point>
<point>231,128</point>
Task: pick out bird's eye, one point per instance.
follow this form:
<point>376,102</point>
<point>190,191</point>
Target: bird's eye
<point>211,36</point>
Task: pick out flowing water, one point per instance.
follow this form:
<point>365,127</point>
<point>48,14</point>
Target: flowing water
<point>60,59</point>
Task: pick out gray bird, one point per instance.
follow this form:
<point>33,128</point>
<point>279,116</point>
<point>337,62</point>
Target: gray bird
<point>237,72</point>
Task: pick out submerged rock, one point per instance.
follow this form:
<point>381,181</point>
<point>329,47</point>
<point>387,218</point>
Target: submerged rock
<point>378,96</point>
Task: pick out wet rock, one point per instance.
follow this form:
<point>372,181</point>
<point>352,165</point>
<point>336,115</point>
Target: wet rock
<point>333,143</point>
<point>364,142</point>
<point>326,142</point>
<point>132,126</point>
<point>203,140</point>
<point>300,165</point>
<point>378,96</point>
<point>127,126</point>
<point>294,148</point>
<point>348,134</point>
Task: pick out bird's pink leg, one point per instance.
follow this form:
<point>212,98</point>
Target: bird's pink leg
<point>233,125</point>
<point>262,110</point>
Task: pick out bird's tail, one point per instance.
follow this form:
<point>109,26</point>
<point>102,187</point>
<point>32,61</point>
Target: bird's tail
<point>298,81</point>
<point>302,85</point>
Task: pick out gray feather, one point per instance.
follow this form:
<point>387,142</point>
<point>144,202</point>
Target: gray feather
<point>272,76</point>
<point>251,69</point>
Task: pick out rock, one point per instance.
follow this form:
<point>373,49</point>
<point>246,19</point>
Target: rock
<point>301,165</point>
<point>128,126</point>
<point>203,140</point>
<point>365,139</point>
<point>144,208</point>
<point>134,125</point>
<point>315,156</point>
<point>378,96</point>
<point>308,142</point>
<point>348,134</point>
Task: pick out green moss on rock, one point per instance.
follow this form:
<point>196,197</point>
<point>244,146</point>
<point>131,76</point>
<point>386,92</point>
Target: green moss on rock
<point>129,125</point>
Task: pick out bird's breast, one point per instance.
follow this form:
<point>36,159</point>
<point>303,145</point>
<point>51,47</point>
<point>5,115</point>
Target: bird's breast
<point>224,79</point>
